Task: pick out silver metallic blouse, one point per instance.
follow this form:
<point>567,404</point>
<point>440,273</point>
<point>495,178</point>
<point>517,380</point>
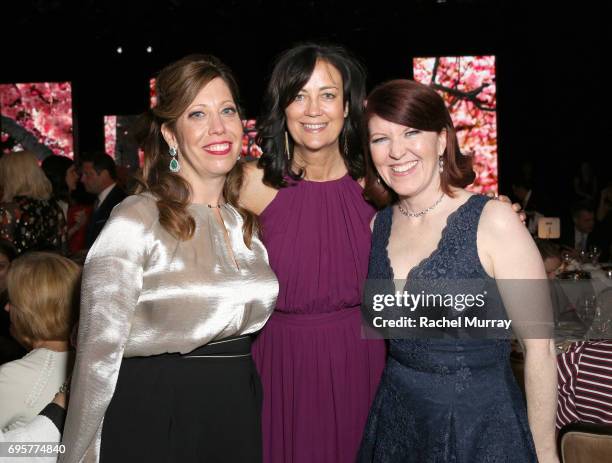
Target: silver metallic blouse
<point>146,293</point>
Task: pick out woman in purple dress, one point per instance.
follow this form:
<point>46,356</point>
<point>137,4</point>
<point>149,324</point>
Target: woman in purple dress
<point>319,375</point>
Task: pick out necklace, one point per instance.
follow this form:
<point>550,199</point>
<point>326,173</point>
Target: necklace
<point>420,213</point>
<point>218,206</point>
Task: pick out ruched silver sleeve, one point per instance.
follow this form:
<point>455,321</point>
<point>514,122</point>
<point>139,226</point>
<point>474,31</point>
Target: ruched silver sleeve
<point>146,293</point>
<point>111,285</point>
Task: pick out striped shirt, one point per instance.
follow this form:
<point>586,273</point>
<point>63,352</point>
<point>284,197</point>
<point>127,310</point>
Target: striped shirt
<point>585,383</point>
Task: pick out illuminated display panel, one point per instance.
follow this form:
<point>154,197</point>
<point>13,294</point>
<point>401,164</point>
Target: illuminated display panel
<point>37,117</point>
<point>119,142</point>
<point>467,84</point>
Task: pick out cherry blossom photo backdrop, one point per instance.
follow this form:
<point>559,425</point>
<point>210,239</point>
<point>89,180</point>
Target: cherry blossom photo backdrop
<point>467,84</point>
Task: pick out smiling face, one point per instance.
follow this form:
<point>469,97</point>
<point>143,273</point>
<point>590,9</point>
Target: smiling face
<point>316,115</point>
<point>406,159</point>
<point>208,134</point>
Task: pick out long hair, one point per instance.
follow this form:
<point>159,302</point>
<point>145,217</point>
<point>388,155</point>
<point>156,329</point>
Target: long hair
<point>20,175</point>
<point>291,72</point>
<point>55,168</point>
<point>418,106</point>
<point>177,86</point>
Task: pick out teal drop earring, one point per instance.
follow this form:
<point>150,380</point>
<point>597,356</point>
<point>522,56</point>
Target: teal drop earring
<point>174,165</point>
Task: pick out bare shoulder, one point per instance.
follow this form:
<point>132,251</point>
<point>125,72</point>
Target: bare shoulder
<point>498,217</point>
<point>505,246</point>
<point>255,195</point>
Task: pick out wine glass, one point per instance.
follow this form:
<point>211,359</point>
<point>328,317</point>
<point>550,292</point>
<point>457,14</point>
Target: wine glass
<point>594,253</point>
<point>601,324</point>
<point>566,258</point>
<point>586,309</point>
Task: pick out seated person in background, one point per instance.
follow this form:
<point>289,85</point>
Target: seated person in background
<point>43,301</point>
<point>9,348</point>
<point>585,383</point>
<point>99,176</point>
<point>551,255</point>
<point>575,233</point>
<point>534,204</point>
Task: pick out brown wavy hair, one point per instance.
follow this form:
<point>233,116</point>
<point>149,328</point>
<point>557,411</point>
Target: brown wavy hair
<point>177,85</point>
<point>418,106</point>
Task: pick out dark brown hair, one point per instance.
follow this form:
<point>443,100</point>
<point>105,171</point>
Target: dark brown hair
<point>417,106</point>
<point>291,72</point>
<point>177,86</point>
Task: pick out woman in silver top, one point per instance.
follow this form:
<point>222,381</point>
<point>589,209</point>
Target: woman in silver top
<point>172,288</point>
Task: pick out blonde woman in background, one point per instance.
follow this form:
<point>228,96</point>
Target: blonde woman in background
<point>29,218</point>
<point>43,299</point>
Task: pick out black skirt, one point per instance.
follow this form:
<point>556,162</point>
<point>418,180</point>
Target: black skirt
<point>204,406</point>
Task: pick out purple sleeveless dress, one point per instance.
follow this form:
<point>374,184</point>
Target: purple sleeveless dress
<point>319,375</point>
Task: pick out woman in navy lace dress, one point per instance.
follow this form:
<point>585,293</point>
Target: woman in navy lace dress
<point>448,399</point>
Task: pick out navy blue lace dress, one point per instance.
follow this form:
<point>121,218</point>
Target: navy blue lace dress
<point>445,400</point>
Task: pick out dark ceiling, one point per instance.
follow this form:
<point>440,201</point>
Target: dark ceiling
<point>550,72</point>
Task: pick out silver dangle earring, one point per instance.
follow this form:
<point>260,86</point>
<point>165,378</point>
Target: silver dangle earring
<point>287,146</point>
<point>174,165</point>
<point>441,164</point>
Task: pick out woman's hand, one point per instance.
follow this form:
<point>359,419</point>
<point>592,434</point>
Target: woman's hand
<point>60,399</point>
<point>516,207</point>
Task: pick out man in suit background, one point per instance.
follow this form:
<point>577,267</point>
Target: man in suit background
<point>534,203</point>
<point>99,176</point>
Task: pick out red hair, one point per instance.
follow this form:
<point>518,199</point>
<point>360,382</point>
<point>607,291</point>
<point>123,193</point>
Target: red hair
<point>417,106</point>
